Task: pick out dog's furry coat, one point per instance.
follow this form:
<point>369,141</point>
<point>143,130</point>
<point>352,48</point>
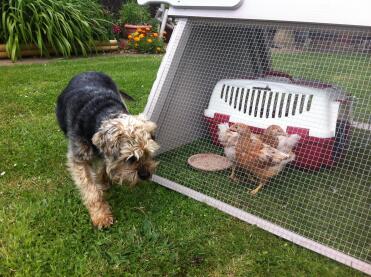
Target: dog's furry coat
<point>93,116</point>
<point>88,99</point>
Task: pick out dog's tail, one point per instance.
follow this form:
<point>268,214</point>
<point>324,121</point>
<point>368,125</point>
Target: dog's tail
<point>126,96</point>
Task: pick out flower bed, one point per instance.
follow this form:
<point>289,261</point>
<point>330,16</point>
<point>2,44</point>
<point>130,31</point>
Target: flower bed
<point>144,41</point>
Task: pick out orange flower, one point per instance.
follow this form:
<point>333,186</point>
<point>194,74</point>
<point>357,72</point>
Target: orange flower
<point>148,29</point>
<point>149,40</point>
<point>139,30</point>
<point>141,36</point>
<point>158,49</point>
<point>130,36</point>
<point>136,38</point>
<point>155,35</point>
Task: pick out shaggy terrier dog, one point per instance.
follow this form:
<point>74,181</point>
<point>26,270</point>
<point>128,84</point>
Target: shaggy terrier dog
<point>105,142</point>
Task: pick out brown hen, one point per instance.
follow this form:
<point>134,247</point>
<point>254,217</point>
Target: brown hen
<point>258,158</point>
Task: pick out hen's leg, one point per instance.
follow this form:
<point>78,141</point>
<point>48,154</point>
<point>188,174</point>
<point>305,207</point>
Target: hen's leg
<point>233,175</point>
<point>256,190</point>
<point>262,182</point>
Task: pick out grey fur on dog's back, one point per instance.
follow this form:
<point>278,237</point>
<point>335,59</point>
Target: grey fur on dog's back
<point>88,99</point>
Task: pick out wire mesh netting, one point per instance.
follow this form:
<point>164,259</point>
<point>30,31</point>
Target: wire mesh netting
<point>231,80</point>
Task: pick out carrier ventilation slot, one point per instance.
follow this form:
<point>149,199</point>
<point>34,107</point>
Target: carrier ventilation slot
<point>263,106</point>
<point>301,107</point>
<point>257,103</point>
<point>263,103</point>
<point>252,101</point>
<point>269,104</point>
<point>222,92</point>
<point>287,111</point>
<point>236,97</point>
<point>226,94</point>
<point>242,98</point>
<point>247,99</point>
<point>309,104</point>
<point>231,95</point>
<point>296,97</point>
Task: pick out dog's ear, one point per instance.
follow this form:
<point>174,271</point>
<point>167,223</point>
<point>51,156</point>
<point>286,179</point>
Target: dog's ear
<point>148,125</point>
<point>108,139</point>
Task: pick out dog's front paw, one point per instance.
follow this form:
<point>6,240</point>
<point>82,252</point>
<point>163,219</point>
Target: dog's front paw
<point>102,219</point>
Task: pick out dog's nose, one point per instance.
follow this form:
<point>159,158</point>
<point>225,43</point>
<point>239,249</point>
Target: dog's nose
<point>143,173</point>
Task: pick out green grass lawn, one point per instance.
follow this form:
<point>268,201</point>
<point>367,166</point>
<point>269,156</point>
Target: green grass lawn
<point>46,231</point>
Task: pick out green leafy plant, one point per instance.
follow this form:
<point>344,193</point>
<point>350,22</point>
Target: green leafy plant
<point>132,13</point>
<point>64,27</point>
<point>113,6</point>
<point>100,20</point>
<point>145,41</point>
<point>155,25</point>
<point>2,33</point>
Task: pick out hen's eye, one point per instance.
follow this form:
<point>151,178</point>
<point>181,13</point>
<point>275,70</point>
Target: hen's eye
<point>131,160</point>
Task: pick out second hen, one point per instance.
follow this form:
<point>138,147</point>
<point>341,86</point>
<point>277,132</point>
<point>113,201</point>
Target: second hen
<point>276,137</point>
<point>257,157</point>
<point>228,139</point>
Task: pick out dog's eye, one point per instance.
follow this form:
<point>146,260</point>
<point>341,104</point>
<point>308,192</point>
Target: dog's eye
<point>131,160</point>
<point>153,136</point>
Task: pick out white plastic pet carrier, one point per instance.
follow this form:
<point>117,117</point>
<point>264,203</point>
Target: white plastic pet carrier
<point>218,67</point>
<point>261,103</point>
<point>317,112</point>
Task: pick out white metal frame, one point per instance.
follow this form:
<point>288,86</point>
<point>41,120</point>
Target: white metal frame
<point>226,4</point>
<point>163,74</point>
<point>343,12</point>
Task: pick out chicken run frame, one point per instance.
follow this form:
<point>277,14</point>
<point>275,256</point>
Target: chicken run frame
<point>320,46</point>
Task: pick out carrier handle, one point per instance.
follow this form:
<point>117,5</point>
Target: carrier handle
<point>279,74</point>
